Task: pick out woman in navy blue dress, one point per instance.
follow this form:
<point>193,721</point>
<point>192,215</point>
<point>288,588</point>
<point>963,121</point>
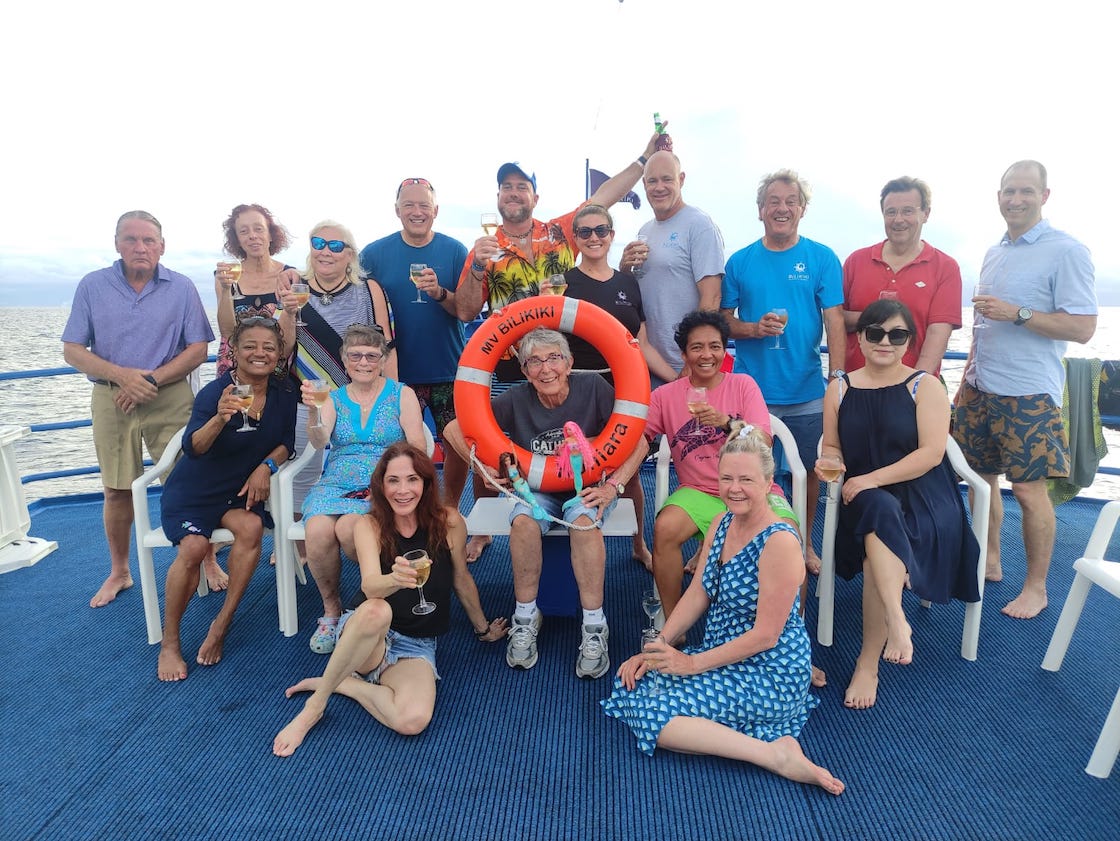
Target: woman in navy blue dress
<point>223,481</point>
<point>903,521</point>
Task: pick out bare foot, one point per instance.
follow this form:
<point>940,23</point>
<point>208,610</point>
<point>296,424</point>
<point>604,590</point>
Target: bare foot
<point>993,571</point>
<point>216,578</point>
<point>861,692</point>
<point>899,648</point>
<point>308,684</point>
<point>1027,605</point>
<point>210,652</point>
<point>819,678</point>
<point>642,555</point>
<point>812,562</point>
<point>292,736</point>
<point>109,590</point>
<point>476,546</point>
<point>690,567</point>
<point>171,666</point>
<point>790,762</point>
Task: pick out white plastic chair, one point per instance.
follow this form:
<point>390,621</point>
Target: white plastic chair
<point>779,431</point>
<point>289,529</point>
<point>826,584</point>
<point>149,537</point>
<point>1091,569</point>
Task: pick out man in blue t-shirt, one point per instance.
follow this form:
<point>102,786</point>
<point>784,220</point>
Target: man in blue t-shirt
<point>429,336</point>
<point>778,294</point>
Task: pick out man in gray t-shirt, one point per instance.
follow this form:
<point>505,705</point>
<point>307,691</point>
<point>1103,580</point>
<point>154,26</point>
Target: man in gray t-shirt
<point>533,415</point>
<point>680,264</point>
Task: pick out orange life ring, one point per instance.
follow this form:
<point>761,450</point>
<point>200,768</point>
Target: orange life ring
<point>623,432</point>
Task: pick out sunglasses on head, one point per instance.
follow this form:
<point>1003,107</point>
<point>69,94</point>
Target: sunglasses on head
<point>335,245</point>
<point>897,336</point>
<point>600,231</point>
<point>408,182</point>
<point>258,321</point>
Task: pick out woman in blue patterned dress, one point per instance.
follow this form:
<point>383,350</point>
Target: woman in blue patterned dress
<point>743,693</point>
<point>360,420</point>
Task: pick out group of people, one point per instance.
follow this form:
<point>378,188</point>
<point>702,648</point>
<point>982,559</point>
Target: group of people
<point>354,359</point>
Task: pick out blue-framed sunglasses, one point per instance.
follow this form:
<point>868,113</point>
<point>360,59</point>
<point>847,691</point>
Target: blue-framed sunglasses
<point>335,245</point>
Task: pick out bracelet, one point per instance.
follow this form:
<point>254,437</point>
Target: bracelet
<point>475,267</point>
<point>443,295</point>
<point>642,160</point>
<point>481,634</point>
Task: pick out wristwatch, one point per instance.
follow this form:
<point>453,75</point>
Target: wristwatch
<point>1024,315</point>
<point>838,373</point>
<point>618,486</point>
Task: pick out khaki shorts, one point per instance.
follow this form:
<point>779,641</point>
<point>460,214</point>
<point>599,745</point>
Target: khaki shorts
<point>118,438</point>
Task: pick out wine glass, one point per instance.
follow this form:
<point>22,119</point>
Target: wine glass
<point>489,222</point>
<point>418,559</point>
<point>651,604</point>
<point>830,467</point>
<point>638,269</point>
<point>303,294</point>
<point>244,393</point>
<point>783,316</point>
<point>555,285</point>
<point>697,398</point>
<point>320,393</point>
<point>650,680</point>
<point>414,272</point>
<point>983,287</point>
<point>232,268</point>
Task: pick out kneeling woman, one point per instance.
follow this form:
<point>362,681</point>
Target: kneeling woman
<point>743,693</point>
<point>385,656</point>
<point>223,481</point>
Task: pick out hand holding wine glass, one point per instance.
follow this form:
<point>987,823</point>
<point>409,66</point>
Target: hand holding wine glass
<point>982,289</point>
<point>555,285</point>
<point>302,293</point>
<point>244,393</point>
<point>782,314</point>
<point>489,222</point>
<point>697,399</point>
<point>829,468</point>
<point>418,559</point>
<point>415,273</point>
<point>230,270</point>
<point>320,393</point>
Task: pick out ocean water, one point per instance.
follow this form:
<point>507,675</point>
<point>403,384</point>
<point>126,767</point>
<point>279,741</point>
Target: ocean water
<point>29,339</point>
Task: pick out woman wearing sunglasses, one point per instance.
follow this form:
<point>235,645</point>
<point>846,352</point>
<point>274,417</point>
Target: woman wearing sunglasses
<point>903,521</point>
<point>339,297</point>
<point>360,421</point>
<point>595,281</point>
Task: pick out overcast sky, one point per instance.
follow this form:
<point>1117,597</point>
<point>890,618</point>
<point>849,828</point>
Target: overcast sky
<point>320,110</point>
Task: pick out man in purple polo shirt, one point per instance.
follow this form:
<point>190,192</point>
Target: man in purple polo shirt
<point>137,330</point>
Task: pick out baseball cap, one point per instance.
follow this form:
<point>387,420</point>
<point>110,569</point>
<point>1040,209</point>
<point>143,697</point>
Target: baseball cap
<point>505,170</point>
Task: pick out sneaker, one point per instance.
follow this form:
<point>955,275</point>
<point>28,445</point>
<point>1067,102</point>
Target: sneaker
<point>593,661</point>
<point>521,650</point>
<point>325,636</point>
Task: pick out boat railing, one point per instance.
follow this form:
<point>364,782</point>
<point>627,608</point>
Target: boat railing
<point>1107,420</point>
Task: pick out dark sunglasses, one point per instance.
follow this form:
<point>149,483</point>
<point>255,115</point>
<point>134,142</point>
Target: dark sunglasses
<point>408,182</point>
<point>258,321</point>
<point>335,245</point>
<point>898,336</point>
<point>600,231</point>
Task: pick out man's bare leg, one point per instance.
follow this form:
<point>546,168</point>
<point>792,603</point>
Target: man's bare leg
<point>637,494</point>
<point>1039,528</point>
<point>477,543</point>
<point>244,556</point>
<point>671,530</point>
<point>117,516</point>
<point>589,564</point>
<point>361,648</point>
<point>525,557</point>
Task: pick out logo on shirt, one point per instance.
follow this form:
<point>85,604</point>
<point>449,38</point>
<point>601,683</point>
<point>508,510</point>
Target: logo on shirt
<point>800,271</point>
<point>547,443</point>
<point>622,300</point>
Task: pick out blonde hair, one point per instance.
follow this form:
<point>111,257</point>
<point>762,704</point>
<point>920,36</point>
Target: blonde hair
<point>745,438</point>
<point>353,268</point>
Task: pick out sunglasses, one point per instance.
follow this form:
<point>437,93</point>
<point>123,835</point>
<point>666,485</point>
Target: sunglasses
<point>335,245</point>
<point>898,336</point>
<point>257,321</point>
<point>408,182</point>
<point>600,231</point>
<point>358,356</point>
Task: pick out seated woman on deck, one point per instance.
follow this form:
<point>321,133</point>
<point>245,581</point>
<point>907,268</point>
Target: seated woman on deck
<point>743,693</point>
<point>903,521</point>
<point>223,481</point>
<point>385,656</point>
<point>359,421</point>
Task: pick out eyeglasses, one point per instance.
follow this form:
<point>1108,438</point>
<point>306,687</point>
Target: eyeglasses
<point>534,363</point>
<point>898,336</point>
<point>335,245</point>
<point>600,231</point>
<point>408,182</point>
<point>359,356</point>
<point>257,321</point>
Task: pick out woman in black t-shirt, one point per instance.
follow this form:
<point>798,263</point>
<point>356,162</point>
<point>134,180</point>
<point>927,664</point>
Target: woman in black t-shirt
<point>384,639</point>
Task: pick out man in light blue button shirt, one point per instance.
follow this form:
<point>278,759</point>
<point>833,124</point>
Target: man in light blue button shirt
<point>1036,293</point>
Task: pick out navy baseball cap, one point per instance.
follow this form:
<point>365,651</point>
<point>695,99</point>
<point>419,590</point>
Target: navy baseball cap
<point>505,170</point>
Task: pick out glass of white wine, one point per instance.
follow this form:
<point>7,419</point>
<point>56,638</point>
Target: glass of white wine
<point>640,268</point>
<point>830,467</point>
<point>303,294</point>
<point>782,315</point>
<point>415,270</point>
<point>650,681</point>
<point>555,285</point>
<point>489,222</point>
<point>244,393</point>
<point>697,398</point>
<point>418,559</point>
<point>320,393</point>
<point>233,269</point>
<point>651,604</point>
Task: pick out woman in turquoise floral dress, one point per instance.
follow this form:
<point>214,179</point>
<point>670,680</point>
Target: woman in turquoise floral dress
<point>360,421</point>
<point>743,693</point>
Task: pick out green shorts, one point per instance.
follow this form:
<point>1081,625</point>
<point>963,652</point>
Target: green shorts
<point>703,508</point>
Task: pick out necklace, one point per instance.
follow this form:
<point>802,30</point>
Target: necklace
<point>518,237</point>
<point>327,295</point>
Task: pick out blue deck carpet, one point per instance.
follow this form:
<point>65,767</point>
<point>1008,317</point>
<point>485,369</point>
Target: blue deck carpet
<point>94,746</point>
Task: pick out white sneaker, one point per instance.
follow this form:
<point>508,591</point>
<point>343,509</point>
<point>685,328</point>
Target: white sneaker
<point>593,660</point>
<point>521,650</point>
